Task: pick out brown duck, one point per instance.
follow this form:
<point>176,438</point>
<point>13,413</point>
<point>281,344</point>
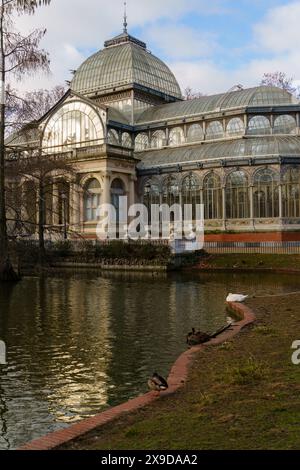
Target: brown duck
<point>197,337</point>
<point>157,383</point>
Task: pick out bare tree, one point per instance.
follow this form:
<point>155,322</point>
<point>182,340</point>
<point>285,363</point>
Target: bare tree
<point>280,80</point>
<point>190,94</point>
<point>40,169</point>
<point>24,109</point>
<point>19,55</point>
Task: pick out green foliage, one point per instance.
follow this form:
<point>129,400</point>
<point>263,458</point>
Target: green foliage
<point>250,372</point>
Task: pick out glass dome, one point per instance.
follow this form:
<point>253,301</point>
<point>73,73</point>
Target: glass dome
<point>125,61</point>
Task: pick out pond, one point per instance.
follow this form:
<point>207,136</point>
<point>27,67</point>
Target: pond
<point>78,343</point>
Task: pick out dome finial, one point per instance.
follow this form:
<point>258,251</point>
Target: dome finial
<point>125,24</point>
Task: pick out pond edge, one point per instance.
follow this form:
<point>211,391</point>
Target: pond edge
<point>177,379</point>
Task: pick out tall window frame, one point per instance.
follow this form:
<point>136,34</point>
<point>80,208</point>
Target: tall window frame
<point>212,197</point>
<point>92,199</point>
<point>237,195</point>
<point>265,194</point>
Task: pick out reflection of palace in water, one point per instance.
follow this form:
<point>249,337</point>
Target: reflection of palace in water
<point>128,131</point>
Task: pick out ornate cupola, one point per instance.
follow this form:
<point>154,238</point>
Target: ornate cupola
<point>126,75</point>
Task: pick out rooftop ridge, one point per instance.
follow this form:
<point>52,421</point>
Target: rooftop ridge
<point>124,38</point>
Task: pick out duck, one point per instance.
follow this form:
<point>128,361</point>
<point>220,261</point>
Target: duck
<point>236,298</point>
<point>197,337</point>
<point>157,383</point>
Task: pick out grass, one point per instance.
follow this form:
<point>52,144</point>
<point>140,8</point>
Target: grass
<point>250,371</point>
<point>244,394</point>
<point>264,330</point>
<point>251,261</point>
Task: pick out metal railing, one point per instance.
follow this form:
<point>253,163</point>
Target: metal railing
<point>253,247</point>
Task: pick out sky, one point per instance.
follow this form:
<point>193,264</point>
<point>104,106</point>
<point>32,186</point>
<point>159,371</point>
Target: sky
<point>210,46</point>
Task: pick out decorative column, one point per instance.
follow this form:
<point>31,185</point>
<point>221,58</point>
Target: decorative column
<point>251,202</point>
<point>167,136</point>
<point>280,200</point>
<point>272,123</point>
<point>81,214</point>
<point>106,197</point>
<point>298,122</point>
<point>224,127</point>
<point>185,131</point>
<point>224,206</point>
<point>75,206</point>
<point>204,130</point>
<point>131,190</point>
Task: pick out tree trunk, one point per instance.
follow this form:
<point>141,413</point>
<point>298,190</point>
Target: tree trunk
<point>41,203</point>
<point>6,269</point>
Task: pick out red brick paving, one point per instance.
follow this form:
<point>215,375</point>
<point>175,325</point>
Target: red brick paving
<point>176,380</point>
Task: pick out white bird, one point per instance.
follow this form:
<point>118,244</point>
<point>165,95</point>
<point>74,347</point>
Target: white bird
<point>236,298</point>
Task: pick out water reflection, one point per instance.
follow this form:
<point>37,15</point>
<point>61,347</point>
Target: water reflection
<point>79,343</point>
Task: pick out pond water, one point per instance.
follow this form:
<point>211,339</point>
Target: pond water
<point>78,343</point>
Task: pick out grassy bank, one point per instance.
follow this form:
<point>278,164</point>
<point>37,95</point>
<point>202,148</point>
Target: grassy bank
<point>251,261</point>
<point>243,394</point>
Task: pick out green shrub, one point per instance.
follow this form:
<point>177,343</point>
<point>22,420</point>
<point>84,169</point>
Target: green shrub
<point>132,252</point>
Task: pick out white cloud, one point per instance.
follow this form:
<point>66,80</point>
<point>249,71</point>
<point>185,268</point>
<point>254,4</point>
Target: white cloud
<point>76,28</point>
<point>275,40</point>
<point>278,32</point>
<point>179,41</point>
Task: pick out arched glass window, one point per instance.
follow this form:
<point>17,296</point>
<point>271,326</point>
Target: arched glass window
<point>117,190</point>
<point>158,139</point>
<point>214,130</point>
<point>191,194</point>
<point>235,127</point>
<point>113,137</point>
<point>92,192</point>
<point>291,193</point>
<point>195,133</point>
<point>75,124</point>
<point>151,196</point>
<point>237,196</point>
<point>141,142</point>
<point>265,194</point>
<point>259,125</point>
<point>170,191</point>
<point>285,124</point>
<point>126,140</point>
<point>212,197</point>
<point>176,136</point>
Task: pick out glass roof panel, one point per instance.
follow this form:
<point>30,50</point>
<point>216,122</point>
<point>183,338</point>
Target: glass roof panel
<point>259,96</point>
<point>252,147</point>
